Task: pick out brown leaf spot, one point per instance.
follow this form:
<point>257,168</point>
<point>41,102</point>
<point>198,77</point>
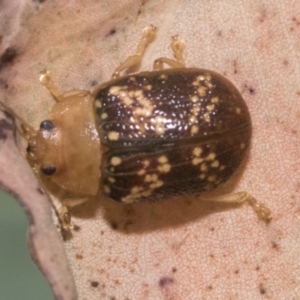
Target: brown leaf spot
<point>7,57</point>
<point>274,245</point>
<point>262,15</point>
<point>94,284</point>
<point>40,191</point>
<point>262,289</point>
<point>94,83</point>
<point>165,281</point>
<point>235,67</point>
<point>296,21</point>
<point>3,83</point>
<point>4,127</point>
<point>114,225</point>
<point>285,62</point>
<point>219,33</point>
<point>76,228</point>
<point>251,90</point>
<point>79,256</point>
<point>111,32</point>
<point>294,131</point>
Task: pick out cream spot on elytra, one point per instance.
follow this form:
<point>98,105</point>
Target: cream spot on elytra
<point>128,199</point>
<point>211,178</point>
<point>196,109</point>
<point>106,189</point>
<point>215,100</point>
<point>162,159</point>
<point>115,90</point>
<point>160,124</point>
<point>104,116</point>
<point>163,76</point>
<point>215,164</point>
<point>113,136</point>
<point>206,117</point>
<point>194,129</point>
<point>196,161</point>
<point>98,104</point>
<point>141,172</point>
<point>203,167</point>
<point>165,168</point>
<point>210,107</point>
<point>193,119</point>
<point>115,161</point>
<point>111,179</point>
<point>197,151</point>
<point>202,91</point>
<point>135,190</point>
<point>211,156</point>
<point>156,185</point>
<point>146,162</point>
<point>194,98</point>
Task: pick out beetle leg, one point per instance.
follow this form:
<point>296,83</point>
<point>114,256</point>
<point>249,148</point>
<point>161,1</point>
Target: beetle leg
<point>65,218</point>
<point>262,211</point>
<point>177,46</point>
<point>64,213</point>
<point>131,61</point>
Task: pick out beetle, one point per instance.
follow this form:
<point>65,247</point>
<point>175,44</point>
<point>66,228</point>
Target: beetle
<point>145,136</point>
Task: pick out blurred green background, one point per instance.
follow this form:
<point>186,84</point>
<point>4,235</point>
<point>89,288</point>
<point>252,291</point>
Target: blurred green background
<point>19,277</point>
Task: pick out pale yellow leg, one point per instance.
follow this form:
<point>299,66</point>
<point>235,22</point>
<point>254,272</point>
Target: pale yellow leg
<point>65,218</point>
<point>131,61</point>
<point>177,46</point>
<point>65,215</point>
<point>262,211</point>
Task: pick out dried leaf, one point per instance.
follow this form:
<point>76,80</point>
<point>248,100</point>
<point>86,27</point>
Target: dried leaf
<point>182,249</point>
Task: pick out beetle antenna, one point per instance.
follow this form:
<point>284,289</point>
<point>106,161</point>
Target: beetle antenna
<point>46,79</point>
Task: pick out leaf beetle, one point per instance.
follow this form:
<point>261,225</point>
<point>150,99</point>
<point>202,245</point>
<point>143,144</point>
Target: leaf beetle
<point>144,136</point>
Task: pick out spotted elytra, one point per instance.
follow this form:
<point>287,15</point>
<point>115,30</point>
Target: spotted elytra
<point>143,137</point>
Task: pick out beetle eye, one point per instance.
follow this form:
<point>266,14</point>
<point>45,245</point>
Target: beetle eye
<point>47,125</point>
<point>50,170</point>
